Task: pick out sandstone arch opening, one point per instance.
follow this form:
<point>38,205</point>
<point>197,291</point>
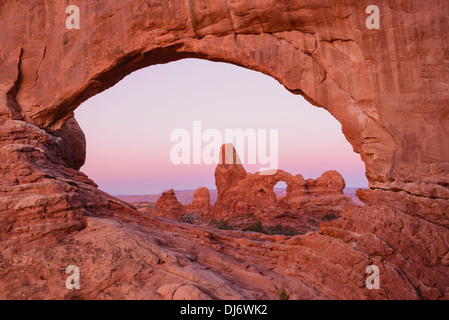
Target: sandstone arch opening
<point>280,189</point>
<point>386,87</point>
<point>116,125</point>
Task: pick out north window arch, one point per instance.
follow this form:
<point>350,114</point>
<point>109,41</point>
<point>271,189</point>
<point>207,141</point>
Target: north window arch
<point>128,126</point>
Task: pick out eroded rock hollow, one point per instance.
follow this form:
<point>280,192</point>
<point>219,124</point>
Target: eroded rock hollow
<point>387,87</point>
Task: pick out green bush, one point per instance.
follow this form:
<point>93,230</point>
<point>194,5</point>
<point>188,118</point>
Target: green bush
<point>280,229</point>
<point>191,218</point>
<point>330,216</point>
<point>256,227</point>
<point>223,225</point>
<point>283,295</point>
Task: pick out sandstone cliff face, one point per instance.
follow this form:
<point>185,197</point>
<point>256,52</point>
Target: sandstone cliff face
<point>388,88</point>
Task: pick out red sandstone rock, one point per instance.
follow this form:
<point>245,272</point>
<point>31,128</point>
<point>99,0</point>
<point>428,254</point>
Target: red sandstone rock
<point>331,180</point>
<point>73,144</point>
<point>251,193</point>
<point>335,62</point>
<point>201,199</point>
<point>246,200</point>
<point>388,89</point>
<point>201,203</point>
<point>326,192</point>
<point>230,170</point>
<point>169,207</point>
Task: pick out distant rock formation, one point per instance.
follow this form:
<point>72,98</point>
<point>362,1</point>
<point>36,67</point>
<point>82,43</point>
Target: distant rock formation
<point>247,201</point>
<point>241,193</point>
<point>387,87</point>
<point>169,207</point>
<point>200,202</point>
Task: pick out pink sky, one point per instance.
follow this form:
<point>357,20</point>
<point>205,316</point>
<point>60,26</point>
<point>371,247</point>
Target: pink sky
<point>128,126</point>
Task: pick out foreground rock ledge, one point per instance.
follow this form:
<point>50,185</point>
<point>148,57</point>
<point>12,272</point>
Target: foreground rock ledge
<point>388,88</point>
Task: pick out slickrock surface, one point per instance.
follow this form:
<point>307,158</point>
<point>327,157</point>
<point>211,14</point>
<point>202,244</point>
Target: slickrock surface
<point>388,88</point>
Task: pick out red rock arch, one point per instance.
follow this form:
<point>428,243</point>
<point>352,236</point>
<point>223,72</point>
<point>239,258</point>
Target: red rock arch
<point>69,66</point>
<point>387,87</point>
<point>323,52</point>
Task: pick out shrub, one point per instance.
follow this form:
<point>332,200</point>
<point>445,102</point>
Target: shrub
<point>256,227</point>
<point>279,229</point>
<point>283,295</point>
<point>330,216</point>
<point>191,218</point>
<point>223,225</point>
